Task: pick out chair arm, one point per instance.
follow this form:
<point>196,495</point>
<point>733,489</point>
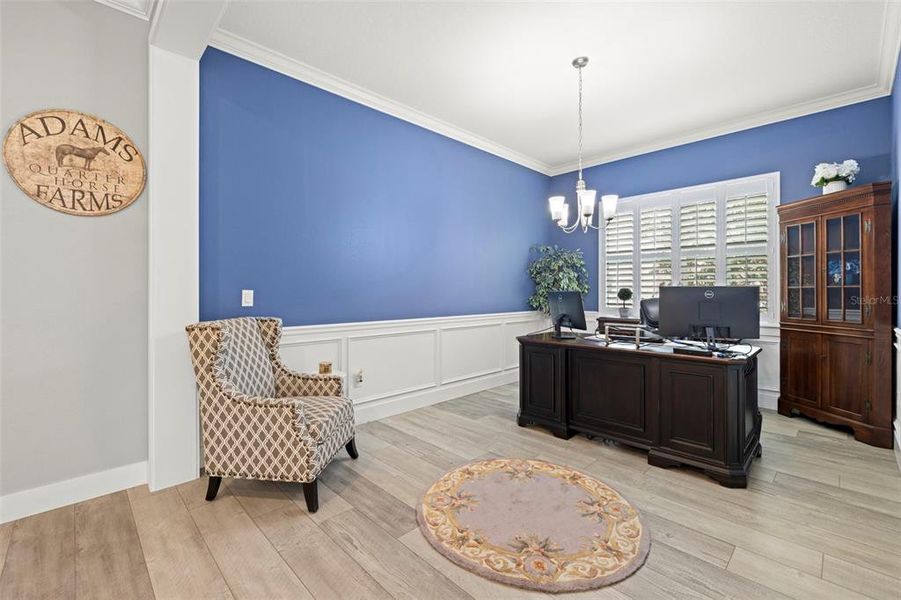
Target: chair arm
<point>291,383</point>
<point>291,409</point>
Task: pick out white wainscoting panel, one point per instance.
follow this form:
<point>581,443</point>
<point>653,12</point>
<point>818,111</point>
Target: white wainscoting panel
<point>391,363</point>
<point>768,367</point>
<point>411,363</point>
<point>515,328</point>
<point>305,355</point>
<point>471,350</point>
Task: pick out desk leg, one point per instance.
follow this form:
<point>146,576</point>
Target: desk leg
<point>564,433</point>
<point>729,481</point>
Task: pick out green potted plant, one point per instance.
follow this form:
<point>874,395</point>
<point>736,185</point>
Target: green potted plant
<point>624,295</point>
<point>555,269</point>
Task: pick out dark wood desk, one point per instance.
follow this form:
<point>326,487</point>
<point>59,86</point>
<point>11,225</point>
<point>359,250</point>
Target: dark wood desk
<point>685,410</point>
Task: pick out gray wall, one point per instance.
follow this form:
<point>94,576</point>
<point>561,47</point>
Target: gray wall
<point>73,293</point>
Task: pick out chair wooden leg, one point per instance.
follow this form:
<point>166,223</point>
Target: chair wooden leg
<point>351,447</point>
<point>213,488</point>
<point>311,495</point>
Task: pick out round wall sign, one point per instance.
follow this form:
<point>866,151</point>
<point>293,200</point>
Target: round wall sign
<point>74,162</point>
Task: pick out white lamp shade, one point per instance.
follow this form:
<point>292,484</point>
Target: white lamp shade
<point>608,203</point>
<point>564,215</point>
<point>586,202</point>
<point>557,204</point>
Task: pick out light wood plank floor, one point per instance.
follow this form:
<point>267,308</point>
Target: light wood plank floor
<point>821,518</point>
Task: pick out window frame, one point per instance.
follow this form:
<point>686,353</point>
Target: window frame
<point>720,191</point>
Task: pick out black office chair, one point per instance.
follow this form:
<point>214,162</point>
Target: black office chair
<point>650,313</point>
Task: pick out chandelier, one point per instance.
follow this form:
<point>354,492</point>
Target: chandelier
<point>585,198</point>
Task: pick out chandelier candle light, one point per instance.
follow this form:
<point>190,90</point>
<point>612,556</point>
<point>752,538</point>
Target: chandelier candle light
<point>585,198</point>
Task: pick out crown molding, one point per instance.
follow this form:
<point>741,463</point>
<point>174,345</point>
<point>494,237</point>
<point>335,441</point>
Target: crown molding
<point>233,44</point>
<point>141,9</point>
<point>763,118</point>
<point>890,46</point>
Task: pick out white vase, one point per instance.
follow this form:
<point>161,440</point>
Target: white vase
<point>835,186</point>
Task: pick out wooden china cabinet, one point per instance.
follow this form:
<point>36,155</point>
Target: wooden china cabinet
<point>836,310</point>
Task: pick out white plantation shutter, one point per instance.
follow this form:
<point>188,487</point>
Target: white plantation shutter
<point>714,234</point>
<point>746,220</point>
<point>749,270</point>
<point>697,225</point>
<point>619,275</point>
<point>656,229</point>
<point>654,273</point>
<point>620,239</point>
<point>698,271</point>
<point>747,237</point>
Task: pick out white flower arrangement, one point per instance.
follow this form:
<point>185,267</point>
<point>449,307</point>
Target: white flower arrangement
<point>825,173</point>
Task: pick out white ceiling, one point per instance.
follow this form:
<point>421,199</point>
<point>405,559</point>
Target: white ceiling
<point>498,75</point>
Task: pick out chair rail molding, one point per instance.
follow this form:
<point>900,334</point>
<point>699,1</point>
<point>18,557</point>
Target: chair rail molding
<point>395,366</point>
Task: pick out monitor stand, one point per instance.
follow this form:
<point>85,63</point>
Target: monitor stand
<point>710,335</point>
<point>562,335</point>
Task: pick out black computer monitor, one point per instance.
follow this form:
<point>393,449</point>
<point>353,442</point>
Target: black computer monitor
<point>717,312</point>
<point>566,310</point>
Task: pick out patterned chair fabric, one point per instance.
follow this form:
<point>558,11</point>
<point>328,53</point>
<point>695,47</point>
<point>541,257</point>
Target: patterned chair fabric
<point>259,419</point>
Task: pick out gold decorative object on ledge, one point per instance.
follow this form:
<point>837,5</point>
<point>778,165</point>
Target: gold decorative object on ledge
<point>74,162</point>
<point>325,367</point>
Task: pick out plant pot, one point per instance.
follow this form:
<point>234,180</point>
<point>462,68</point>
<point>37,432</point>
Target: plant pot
<point>835,186</point>
<point>624,313</point>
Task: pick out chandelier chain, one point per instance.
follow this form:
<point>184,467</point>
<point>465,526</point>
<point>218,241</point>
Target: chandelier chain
<point>580,122</point>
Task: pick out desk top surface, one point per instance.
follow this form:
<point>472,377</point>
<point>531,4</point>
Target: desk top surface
<point>664,350</point>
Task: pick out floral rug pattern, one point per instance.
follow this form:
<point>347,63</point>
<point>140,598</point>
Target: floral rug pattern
<point>534,524</point>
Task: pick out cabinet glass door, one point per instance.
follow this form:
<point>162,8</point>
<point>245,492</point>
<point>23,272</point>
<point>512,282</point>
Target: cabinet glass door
<point>801,266</point>
<point>843,285</point>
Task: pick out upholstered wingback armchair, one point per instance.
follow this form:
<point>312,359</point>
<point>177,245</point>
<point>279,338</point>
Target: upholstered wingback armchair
<point>259,419</point>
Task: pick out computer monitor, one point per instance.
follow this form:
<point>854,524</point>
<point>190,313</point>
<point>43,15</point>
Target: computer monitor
<point>566,310</point>
<point>717,312</point>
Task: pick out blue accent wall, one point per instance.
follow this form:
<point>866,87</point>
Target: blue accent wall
<point>860,131</point>
<point>334,212</point>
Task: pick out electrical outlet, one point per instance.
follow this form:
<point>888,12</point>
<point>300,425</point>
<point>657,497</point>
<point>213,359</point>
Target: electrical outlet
<point>246,297</point>
<point>358,377</point>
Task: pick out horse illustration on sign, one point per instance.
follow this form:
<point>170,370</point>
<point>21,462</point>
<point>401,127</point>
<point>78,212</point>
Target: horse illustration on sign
<point>88,154</point>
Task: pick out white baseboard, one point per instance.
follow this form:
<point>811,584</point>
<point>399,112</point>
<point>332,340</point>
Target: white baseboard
<point>767,398</point>
<point>41,499</point>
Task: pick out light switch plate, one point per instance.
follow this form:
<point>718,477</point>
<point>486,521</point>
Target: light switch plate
<point>246,297</point>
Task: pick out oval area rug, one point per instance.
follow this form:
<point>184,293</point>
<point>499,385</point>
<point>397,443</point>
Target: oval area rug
<point>534,524</point>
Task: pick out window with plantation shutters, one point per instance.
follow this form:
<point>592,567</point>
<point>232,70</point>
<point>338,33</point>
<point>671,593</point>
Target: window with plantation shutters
<point>714,234</point>
<point>620,234</point>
